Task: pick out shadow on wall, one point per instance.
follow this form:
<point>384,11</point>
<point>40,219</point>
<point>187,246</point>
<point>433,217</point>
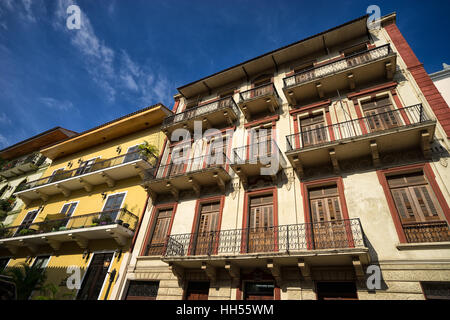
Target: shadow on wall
<point>374,261</point>
<point>34,283</point>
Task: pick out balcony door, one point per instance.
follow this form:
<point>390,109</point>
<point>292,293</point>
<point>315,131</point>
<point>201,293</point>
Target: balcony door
<point>155,245</point>
<point>312,130</point>
<point>95,276</point>
<point>420,213</point>
<point>132,154</point>
<point>261,143</point>
<point>177,167</point>
<point>207,235</point>
<point>262,87</point>
<point>328,230</point>
<point>85,166</point>
<point>67,210</point>
<point>261,235</point>
<point>380,114</point>
<point>112,207</point>
<point>27,221</point>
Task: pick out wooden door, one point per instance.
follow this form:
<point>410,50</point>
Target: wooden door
<point>68,210</point>
<point>95,276</point>
<point>328,228</point>
<point>112,206</point>
<point>420,213</point>
<point>261,235</point>
<point>177,167</point>
<point>312,130</point>
<point>197,290</point>
<point>207,234</point>
<point>380,114</point>
<point>158,237</point>
<point>259,291</point>
<point>261,145</point>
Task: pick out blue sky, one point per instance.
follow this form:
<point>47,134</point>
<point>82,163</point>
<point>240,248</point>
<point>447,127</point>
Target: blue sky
<point>131,54</point>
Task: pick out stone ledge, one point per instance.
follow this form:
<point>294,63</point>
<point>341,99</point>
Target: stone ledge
<point>423,245</point>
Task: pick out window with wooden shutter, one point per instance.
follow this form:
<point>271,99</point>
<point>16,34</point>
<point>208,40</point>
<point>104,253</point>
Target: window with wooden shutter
<point>328,227</point>
<point>27,221</point>
<point>207,234</point>
<point>380,114</point>
<point>160,231</point>
<point>261,232</point>
<point>261,143</point>
<point>312,130</point>
<point>177,167</point>
<point>420,213</point>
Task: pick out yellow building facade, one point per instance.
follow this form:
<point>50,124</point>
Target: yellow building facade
<point>80,218</point>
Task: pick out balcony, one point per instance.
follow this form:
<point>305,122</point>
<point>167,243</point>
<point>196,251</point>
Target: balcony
<point>374,135</point>
<point>87,176</point>
<point>258,159</point>
<point>212,115</point>
<point>337,242</point>
<point>22,165</point>
<point>346,73</point>
<point>432,231</point>
<point>193,174</point>
<point>258,100</point>
<point>57,229</point>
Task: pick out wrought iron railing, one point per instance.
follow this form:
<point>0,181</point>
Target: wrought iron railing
<point>189,165</point>
<point>432,231</point>
<point>57,222</point>
<point>262,152</point>
<point>227,102</point>
<point>337,65</point>
<point>259,91</point>
<point>35,159</point>
<point>89,168</point>
<point>339,234</point>
<point>368,125</point>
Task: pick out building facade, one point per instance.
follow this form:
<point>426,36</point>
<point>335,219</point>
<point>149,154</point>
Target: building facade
<point>21,163</point>
<point>81,216</point>
<point>441,80</point>
<point>334,165</point>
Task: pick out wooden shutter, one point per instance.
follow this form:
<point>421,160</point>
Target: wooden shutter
<point>261,231</point>
<point>380,114</point>
<point>328,227</point>
<point>160,232</point>
<point>207,228</point>
<point>112,206</point>
<point>313,130</point>
<point>420,213</point>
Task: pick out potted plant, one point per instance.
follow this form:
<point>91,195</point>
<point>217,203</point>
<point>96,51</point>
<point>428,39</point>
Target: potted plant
<point>147,150</point>
<point>105,219</point>
<point>119,222</point>
<point>126,225</point>
<point>25,232</point>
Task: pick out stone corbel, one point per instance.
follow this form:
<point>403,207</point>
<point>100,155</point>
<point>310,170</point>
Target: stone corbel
<point>219,181</point>
<point>195,186</point>
<point>276,272</point>
<point>425,144</point>
<point>174,191</point>
<point>81,242</point>
<point>375,153</point>
<point>66,192</point>
<point>211,272</point>
<point>319,89</point>
<point>351,81</point>
<point>109,181</point>
<point>86,185</point>
<point>304,269</point>
<point>334,161</point>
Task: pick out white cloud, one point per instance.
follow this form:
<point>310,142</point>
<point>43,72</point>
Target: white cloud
<point>4,119</point>
<point>57,104</point>
<point>3,141</point>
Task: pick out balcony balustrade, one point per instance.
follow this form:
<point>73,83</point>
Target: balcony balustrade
<point>372,134</point>
<point>189,174</point>
<point>212,114</point>
<point>432,231</point>
<point>88,175</point>
<point>263,98</point>
<point>22,165</point>
<point>254,159</point>
<point>344,73</point>
<point>57,228</point>
<point>287,239</point>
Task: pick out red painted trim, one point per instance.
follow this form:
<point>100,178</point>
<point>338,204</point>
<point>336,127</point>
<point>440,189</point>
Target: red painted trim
<point>306,208</point>
<point>175,107</point>
<point>423,80</point>
<point>296,132</point>
<point>262,121</point>
<point>195,223</point>
<point>399,105</point>
<point>136,231</point>
<point>330,127</point>
<point>359,114</point>
<point>309,107</point>
<point>372,90</point>
<point>428,172</point>
<point>245,217</point>
<point>153,220</point>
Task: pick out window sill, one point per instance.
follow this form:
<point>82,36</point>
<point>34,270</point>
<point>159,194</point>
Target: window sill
<point>423,245</point>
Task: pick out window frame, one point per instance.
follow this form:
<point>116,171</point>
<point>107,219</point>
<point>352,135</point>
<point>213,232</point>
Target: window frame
<point>429,176</point>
